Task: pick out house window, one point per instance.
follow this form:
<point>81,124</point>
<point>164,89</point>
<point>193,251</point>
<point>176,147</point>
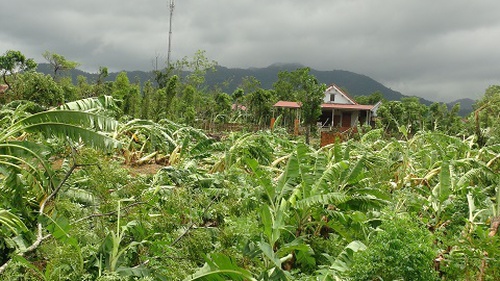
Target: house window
<point>332,97</point>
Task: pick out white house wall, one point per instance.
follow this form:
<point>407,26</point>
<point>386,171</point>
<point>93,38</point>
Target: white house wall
<point>339,98</point>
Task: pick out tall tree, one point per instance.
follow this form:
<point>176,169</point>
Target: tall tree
<point>301,86</point>
<point>487,116</point>
<point>132,102</point>
<point>188,109</point>
<point>222,103</point>
<point>12,62</point>
<point>237,97</point>
<point>311,98</point>
<point>100,88</point>
<point>147,100</point>
<point>121,86</point>
<point>171,92</point>
<point>260,105</point>
<point>250,84</point>
<point>162,100</point>
<point>406,116</point>
<point>197,67</point>
<point>59,63</point>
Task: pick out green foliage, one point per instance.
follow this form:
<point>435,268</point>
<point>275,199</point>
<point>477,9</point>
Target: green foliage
<point>12,62</point>
<point>121,88</point>
<point>197,67</point>
<point>371,99</point>
<point>219,268</point>
<point>38,88</point>
<point>486,116</point>
<point>409,116</point>
<point>303,87</point>
<point>158,104</point>
<point>71,93</point>
<point>161,200</point>
<point>59,62</point>
<point>400,250</point>
<point>260,105</point>
<point>132,102</point>
<point>222,103</point>
<point>188,114</point>
<point>100,86</point>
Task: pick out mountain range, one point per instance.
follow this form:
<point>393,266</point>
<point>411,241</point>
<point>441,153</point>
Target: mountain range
<point>355,84</point>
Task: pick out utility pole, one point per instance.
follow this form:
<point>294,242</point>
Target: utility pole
<point>172,5</point>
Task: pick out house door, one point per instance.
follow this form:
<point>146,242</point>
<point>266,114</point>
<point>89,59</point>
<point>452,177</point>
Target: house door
<point>346,119</point>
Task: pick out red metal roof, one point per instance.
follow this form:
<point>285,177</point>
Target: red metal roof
<point>347,106</point>
<point>292,104</point>
<point>287,104</point>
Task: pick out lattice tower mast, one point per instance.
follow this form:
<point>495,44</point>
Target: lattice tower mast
<point>172,5</point>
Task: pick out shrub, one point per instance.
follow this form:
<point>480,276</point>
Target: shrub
<point>400,250</point>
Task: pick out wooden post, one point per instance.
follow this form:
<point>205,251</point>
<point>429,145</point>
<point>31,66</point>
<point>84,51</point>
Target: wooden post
<point>333,118</point>
<point>272,123</point>
<point>296,127</point>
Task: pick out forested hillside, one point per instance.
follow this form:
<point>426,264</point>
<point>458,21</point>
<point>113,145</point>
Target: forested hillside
<point>114,180</point>
<point>229,79</point>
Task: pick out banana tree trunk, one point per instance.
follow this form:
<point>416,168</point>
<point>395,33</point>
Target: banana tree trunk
<point>495,224</point>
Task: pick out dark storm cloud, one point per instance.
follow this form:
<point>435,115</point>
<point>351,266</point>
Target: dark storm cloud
<point>440,50</point>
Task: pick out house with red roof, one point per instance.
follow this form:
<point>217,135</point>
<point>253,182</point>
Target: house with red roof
<point>339,110</point>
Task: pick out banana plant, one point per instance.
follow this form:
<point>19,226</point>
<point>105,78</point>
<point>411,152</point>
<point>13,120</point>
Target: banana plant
<point>28,180</point>
<point>113,252</point>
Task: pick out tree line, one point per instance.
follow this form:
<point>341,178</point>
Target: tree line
<point>186,99</point>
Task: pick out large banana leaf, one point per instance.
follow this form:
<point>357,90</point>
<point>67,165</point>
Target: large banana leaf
<point>219,267</point>
<point>75,125</point>
<point>30,157</point>
<point>94,104</point>
<point>80,118</point>
<point>11,221</point>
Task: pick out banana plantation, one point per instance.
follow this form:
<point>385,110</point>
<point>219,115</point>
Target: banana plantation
<point>91,190</point>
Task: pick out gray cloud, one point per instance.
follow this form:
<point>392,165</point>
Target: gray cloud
<point>440,50</point>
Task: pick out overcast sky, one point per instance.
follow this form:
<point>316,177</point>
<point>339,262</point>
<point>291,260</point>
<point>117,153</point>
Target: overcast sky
<point>441,50</point>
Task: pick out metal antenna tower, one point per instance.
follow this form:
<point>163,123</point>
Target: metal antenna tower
<point>172,5</point>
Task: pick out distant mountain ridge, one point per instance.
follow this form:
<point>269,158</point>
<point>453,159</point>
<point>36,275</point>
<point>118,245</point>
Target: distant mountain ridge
<point>355,84</point>
<point>466,106</point>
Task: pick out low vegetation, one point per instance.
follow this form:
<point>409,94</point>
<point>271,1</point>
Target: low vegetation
<point>125,185</point>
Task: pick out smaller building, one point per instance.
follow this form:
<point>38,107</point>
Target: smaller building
<point>339,111</point>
